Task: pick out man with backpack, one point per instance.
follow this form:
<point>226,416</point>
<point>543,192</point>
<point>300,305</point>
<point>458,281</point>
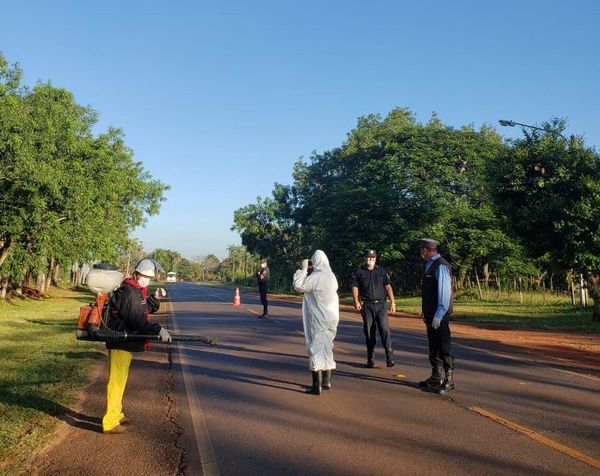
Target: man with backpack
<point>129,310</point>
<point>437,307</point>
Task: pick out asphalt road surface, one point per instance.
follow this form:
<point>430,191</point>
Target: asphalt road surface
<point>246,412</point>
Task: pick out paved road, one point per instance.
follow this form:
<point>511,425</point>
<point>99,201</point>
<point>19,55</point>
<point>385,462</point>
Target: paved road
<point>246,411</point>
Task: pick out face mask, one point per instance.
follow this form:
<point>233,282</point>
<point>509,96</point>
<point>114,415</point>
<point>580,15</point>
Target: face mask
<point>143,281</point>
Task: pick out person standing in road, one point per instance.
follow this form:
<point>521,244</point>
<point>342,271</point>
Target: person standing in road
<point>370,286</point>
<point>129,307</point>
<point>320,316</point>
<point>263,276</point>
<point>437,307</point>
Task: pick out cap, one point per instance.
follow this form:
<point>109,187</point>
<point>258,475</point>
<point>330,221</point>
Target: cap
<point>428,243</point>
<point>370,254</point>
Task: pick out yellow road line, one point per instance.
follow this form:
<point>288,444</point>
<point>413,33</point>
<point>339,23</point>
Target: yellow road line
<point>538,437</point>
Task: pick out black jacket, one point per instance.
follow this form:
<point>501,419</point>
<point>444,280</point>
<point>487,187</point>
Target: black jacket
<point>128,311</point>
<point>371,283</point>
<point>430,290</point>
<point>263,276</point>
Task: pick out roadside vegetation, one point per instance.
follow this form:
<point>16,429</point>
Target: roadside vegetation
<point>551,311</point>
<point>42,369</point>
<point>538,311</point>
<point>519,214</point>
<point>69,196</point>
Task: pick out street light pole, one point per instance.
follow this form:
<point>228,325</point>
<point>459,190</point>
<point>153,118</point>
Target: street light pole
<point>508,123</point>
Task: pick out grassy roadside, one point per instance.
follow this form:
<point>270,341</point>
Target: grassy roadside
<point>538,310</point>
<point>42,367</point>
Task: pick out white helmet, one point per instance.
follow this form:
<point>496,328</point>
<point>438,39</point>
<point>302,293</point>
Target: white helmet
<point>149,267</point>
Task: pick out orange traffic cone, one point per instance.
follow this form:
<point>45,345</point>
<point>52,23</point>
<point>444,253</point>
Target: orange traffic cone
<point>236,297</point>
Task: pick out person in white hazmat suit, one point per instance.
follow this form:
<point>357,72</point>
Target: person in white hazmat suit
<point>320,316</point>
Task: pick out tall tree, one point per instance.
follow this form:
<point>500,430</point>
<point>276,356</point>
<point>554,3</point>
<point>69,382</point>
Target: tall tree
<point>549,188</point>
<point>66,195</point>
<point>391,182</point>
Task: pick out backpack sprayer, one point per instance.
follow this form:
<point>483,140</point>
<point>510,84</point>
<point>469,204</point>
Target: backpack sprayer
<point>92,321</point>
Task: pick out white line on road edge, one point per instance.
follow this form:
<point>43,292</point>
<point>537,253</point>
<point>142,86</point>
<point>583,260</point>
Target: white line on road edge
<point>534,435</point>
<point>208,461</point>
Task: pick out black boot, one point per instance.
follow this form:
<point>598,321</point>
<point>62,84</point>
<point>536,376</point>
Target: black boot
<point>327,379</point>
<point>389,358</point>
<point>435,381</point>
<point>370,362</point>
<point>448,382</point>
<point>317,383</point>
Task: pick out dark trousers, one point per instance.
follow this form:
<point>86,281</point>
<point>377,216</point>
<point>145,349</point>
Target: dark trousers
<point>375,316</point>
<point>263,298</point>
<point>439,345</point>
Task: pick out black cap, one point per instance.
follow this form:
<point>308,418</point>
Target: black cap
<point>428,243</point>
<point>370,254</point>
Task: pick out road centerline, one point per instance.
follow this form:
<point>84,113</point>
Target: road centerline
<point>534,435</point>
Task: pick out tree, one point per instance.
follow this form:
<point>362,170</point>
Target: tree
<point>67,196</point>
<point>209,265</point>
<point>392,181</point>
<point>188,270</point>
<point>168,259</point>
<point>549,189</point>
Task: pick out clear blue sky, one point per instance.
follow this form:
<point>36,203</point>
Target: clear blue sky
<point>219,99</point>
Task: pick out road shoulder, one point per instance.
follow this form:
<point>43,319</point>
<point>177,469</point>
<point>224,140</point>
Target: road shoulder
<point>153,442</point>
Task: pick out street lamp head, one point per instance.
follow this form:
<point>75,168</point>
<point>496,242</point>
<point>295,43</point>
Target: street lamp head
<point>504,122</point>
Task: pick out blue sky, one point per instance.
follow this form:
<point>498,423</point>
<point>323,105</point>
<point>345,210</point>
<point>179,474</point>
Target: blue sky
<point>219,99</point>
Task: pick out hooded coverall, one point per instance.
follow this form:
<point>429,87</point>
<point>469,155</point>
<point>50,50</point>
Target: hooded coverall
<point>320,311</point>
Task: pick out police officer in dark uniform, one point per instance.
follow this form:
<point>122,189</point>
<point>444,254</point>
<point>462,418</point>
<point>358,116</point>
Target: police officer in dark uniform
<point>437,307</point>
<point>263,275</point>
<point>370,286</point>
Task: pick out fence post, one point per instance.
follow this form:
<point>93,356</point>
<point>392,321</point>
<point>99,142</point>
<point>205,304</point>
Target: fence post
<point>478,284</point>
<point>520,289</point>
<point>582,296</point>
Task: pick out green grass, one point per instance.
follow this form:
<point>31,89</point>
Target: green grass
<point>42,366</point>
<point>538,311</point>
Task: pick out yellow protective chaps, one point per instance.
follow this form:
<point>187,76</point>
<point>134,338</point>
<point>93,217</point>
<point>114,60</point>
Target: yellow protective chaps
<point>118,370</point>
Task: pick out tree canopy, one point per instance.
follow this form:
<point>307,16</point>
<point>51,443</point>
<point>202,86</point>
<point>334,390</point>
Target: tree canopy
<point>67,195</point>
<point>395,180</point>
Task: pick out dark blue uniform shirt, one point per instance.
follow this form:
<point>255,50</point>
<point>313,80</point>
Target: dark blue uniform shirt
<point>371,283</point>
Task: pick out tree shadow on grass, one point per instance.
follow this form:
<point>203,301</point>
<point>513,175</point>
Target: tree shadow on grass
<point>52,408</point>
<point>84,354</point>
<point>64,323</point>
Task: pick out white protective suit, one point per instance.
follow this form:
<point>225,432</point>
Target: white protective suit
<point>320,311</point>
